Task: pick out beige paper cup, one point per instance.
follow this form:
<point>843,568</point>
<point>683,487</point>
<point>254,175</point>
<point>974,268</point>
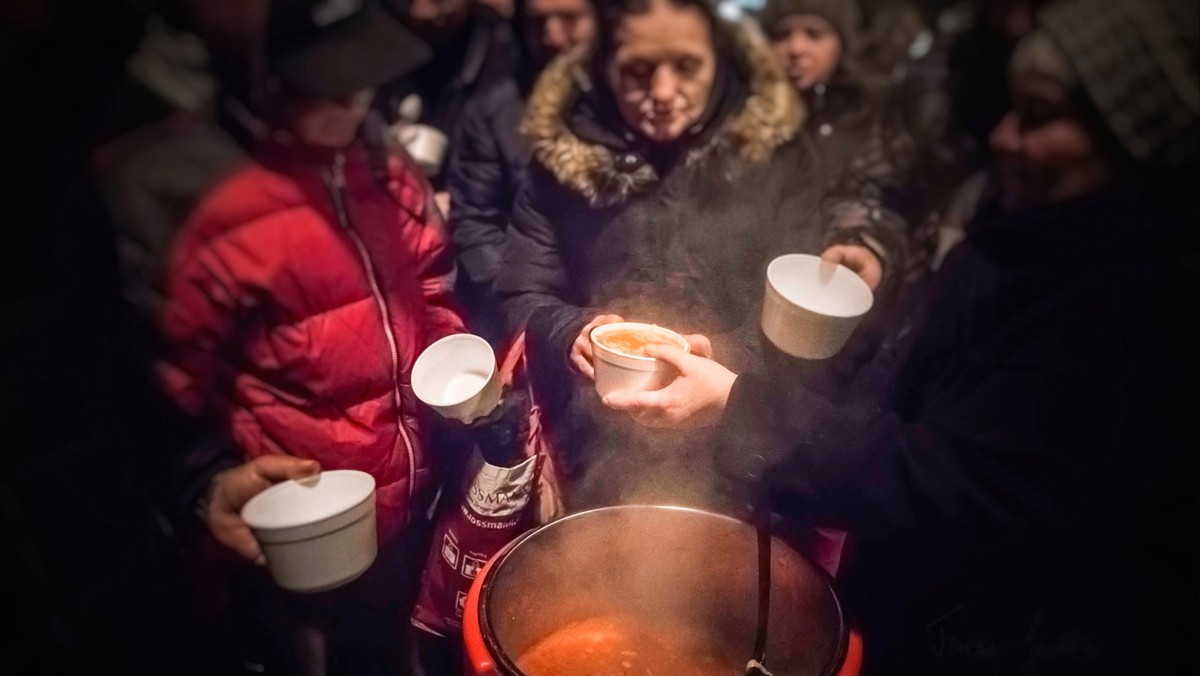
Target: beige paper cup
<point>457,377</point>
<point>616,370</point>
<point>811,306</point>
<point>318,533</point>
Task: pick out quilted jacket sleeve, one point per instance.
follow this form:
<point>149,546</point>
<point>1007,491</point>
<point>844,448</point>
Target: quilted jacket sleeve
<point>868,205</point>
<point>479,198</point>
<point>200,315</point>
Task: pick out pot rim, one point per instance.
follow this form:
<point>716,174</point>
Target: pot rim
<point>505,665</point>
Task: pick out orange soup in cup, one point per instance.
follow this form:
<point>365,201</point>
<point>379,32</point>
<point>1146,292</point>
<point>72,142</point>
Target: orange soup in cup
<point>633,342</point>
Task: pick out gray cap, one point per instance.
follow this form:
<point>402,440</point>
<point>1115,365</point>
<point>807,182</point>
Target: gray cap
<point>1137,61</point>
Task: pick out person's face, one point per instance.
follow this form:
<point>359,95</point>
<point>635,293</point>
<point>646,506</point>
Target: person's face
<point>555,26</point>
<point>436,20</point>
<point>662,69</point>
<point>807,48</point>
<point>328,123</point>
<point>1045,152</point>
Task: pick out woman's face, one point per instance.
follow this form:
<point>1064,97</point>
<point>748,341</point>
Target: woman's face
<point>808,49</point>
<point>328,123</point>
<point>1046,153</point>
<point>662,69</point>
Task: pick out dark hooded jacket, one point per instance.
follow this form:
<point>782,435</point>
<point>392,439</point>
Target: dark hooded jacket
<point>1008,501</point>
<point>679,237</point>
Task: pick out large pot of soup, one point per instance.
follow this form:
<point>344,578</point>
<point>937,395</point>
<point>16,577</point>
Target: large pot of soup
<point>650,590</point>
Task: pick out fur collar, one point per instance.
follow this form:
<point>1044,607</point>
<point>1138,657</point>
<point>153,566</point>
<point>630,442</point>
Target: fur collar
<point>770,116</point>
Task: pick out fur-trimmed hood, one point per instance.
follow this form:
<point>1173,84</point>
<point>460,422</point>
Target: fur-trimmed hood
<point>770,116</point>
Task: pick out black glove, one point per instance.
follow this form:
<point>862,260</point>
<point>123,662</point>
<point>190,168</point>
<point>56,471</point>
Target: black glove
<point>501,434</point>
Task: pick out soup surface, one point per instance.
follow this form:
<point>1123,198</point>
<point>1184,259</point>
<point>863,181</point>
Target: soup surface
<point>633,341</point>
<point>622,646</point>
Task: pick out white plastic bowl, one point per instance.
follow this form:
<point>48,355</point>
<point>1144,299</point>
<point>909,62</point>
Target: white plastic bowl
<point>318,533</point>
<point>616,370</point>
<point>811,306</point>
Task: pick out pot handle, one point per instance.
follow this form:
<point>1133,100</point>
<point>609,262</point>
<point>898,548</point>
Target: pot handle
<point>852,664</point>
<point>479,661</point>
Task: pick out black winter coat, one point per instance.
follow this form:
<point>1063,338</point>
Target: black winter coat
<point>604,224</point>
<point>488,164</point>
<point>1028,493</point>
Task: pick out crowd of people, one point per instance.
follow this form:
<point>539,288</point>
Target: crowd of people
<point>1005,437</point>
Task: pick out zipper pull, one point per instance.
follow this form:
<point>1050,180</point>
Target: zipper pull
<point>339,170</point>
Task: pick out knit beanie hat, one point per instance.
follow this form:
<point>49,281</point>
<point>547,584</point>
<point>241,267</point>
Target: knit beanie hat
<point>1138,63</point>
<point>844,15</point>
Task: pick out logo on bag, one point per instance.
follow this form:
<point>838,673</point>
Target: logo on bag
<point>460,603</point>
<point>501,491</point>
<point>450,551</point>
<point>471,567</point>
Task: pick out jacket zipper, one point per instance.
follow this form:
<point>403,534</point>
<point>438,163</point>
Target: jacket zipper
<point>336,182</point>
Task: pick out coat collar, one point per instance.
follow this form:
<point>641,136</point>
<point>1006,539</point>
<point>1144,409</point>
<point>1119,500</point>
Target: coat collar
<point>770,116</point>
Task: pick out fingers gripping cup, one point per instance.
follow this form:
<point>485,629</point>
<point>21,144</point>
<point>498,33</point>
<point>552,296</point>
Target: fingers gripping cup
<point>317,533</point>
<point>619,357</point>
<point>457,377</point>
<point>812,306</point>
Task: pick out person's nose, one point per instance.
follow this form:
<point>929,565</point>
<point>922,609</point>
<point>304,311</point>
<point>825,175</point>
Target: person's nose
<point>664,87</point>
<point>1006,137</point>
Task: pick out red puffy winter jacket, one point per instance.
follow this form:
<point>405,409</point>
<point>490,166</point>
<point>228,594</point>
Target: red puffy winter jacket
<point>299,294</point>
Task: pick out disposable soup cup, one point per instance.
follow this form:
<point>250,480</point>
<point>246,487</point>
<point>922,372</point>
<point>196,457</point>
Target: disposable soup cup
<point>316,533</point>
<point>617,369</point>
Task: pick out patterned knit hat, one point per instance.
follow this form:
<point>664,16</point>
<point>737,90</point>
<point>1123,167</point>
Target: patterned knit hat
<point>844,15</point>
<point>1139,64</point>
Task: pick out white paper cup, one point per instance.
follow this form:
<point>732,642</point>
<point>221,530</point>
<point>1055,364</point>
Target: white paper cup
<point>458,378</point>
<point>426,145</point>
<point>812,306</point>
<point>317,533</point>
<point>616,370</point>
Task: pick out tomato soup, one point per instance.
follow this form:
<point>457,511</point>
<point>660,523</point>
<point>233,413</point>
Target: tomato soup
<point>622,646</point>
<point>634,341</point>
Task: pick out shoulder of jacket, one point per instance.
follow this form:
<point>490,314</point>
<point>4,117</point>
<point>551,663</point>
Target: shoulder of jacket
<point>252,193</point>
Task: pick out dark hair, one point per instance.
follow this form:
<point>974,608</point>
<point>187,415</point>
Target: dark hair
<point>610,13</point>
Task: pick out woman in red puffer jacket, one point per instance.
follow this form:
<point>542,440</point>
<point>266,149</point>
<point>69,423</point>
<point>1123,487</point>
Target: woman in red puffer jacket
<point>300,293</point>
<point>298,296</point>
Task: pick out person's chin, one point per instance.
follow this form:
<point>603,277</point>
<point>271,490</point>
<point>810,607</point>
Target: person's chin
<point>661,132</point>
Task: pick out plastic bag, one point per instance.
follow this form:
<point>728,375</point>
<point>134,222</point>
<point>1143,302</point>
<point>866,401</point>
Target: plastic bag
<point>493,503</point>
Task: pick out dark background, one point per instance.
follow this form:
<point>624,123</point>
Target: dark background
<point>94,577</point>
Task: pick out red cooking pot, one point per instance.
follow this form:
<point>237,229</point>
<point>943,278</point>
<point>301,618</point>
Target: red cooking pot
<point>646,588</point>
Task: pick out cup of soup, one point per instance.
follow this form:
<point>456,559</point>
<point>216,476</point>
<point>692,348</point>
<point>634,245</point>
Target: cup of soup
<point>619,357</point>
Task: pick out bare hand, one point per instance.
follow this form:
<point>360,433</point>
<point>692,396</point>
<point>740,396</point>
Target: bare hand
<point>858,258</point>
<point>230,490</point>
<point>697,398</point>
<point>581,349</point>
